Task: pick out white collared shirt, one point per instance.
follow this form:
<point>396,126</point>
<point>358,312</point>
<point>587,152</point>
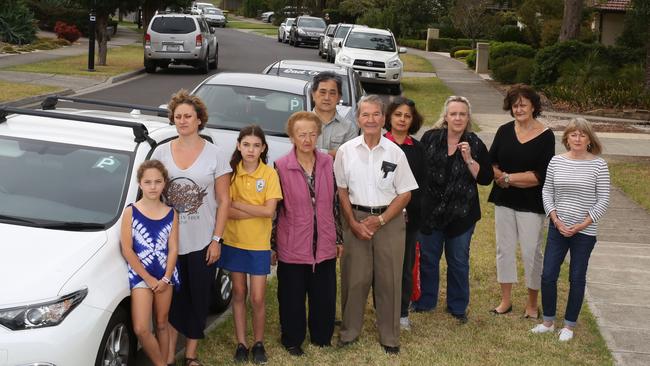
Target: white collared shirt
<point>359,169</point>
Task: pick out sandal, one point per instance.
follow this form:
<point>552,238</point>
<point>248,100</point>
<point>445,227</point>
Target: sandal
<point>192,362</point>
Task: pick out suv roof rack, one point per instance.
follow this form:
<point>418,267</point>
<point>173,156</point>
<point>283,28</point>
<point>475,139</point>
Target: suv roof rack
<point>50,103</point>
<point>140,131</point>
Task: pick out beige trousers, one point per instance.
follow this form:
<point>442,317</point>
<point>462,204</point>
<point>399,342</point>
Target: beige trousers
<point>527,229</point>
<point>381,259</point>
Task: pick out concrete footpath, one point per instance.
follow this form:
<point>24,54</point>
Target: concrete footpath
<point>618,280</point>
<point>69,84</point>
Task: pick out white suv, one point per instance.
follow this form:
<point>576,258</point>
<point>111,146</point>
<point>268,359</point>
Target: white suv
<point>374,54</point>
<point>67,175</point>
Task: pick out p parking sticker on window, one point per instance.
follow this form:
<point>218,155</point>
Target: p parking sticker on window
<point>108,163</point>
<point>295,104</point>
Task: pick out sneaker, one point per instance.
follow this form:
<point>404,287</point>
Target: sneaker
<point>566,334</point>
<point>404,323</point>
<point>541,328</point>
<point>391,350</point>
<point>259,353</point>
<point>241,353</point>
<point>295,351</point>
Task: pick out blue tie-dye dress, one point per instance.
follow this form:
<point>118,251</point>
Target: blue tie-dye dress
<point>150,239</point>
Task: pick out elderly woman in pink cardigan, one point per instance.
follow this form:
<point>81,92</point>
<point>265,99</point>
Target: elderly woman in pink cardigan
<point>307,238</point>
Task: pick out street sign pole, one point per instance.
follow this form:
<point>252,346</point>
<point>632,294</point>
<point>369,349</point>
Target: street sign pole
<point>91,40</point>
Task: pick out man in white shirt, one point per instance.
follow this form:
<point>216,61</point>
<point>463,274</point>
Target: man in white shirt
<point>326,91</point>
<point>374,185</point>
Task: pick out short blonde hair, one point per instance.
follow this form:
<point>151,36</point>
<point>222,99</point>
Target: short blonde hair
<point>442,123</point>
<point>582,125</point>
<point>302,115</point>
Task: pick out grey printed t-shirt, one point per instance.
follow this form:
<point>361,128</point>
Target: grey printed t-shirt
<point>337,132</point>
<point>191,193</point>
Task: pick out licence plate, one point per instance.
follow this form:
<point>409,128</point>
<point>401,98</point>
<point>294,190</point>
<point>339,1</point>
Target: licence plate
<point>367,74</point>
<point>173,48</point>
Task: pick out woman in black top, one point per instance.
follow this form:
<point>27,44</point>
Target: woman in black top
<point>456,160</point>
<point>520,154</point>
<point>404,120</point>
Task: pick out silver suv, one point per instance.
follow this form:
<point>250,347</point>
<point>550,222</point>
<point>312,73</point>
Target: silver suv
<point>180,39</point>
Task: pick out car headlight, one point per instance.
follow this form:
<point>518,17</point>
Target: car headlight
<point>301,32</point>
<point>41,315</point>
<point>345,59</point>
<point>395,63</point>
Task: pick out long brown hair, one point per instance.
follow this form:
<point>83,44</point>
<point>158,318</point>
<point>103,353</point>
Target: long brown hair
<point>252,130</point>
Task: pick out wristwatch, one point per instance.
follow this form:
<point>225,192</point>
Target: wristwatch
<point>218,239</point>
<point>507,178</point>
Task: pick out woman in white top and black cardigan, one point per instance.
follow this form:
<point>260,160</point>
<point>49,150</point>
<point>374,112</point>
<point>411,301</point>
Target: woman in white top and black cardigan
<point>576,196</point>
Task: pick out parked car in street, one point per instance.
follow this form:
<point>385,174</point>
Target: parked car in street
<point>214,17</point>
<point>199,7</point>
<point>351,87</point>
<point>306,30</point>
<point>340,32</point>
<point>267,16</point>
<point>236,100</point>
<point>65,297</point>
<point>180,39</point>
<point>325,40</point>
<point>283,30</point>
<point>374,54</point>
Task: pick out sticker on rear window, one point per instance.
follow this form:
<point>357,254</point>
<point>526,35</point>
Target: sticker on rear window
<point>108,163</point>
<point>295,104</point>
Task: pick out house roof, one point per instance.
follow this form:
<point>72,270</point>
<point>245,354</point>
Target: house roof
<point>613,5</point>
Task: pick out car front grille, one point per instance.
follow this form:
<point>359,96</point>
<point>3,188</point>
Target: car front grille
<point>370,63</point>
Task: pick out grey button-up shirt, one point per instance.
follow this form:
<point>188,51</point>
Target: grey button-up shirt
<point>338,131</point>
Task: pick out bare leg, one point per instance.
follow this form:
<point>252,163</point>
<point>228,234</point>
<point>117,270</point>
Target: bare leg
<point>141,308</point>
<point>258,290</point>
<point>171,349</point>
<point>239,289</point>
<point>191,346</point>
<point>531,305</point>
<point>162,302</point>
<point>506,297</point>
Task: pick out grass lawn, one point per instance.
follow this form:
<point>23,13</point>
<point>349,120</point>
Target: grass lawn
<point>14,91</point>
<point>632,178</point>
<point>429,94</point>
<point>241,24</point>
<point>415,63</point>
<point>437,338</point>
<point>120,60</point>
<point>267,32</point>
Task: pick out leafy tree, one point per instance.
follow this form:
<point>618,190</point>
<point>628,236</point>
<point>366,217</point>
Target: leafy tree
<point>16,23</point>
<point>534,13</point>
<point>469,17</point>
<point>637,32</point>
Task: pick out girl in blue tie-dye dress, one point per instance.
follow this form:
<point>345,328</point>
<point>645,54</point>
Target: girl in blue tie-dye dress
<point>149,238</point>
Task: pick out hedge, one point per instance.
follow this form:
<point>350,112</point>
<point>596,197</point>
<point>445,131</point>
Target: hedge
<point>446,44</point>
<point>463,53</point>
<point>453,50</point>
<point>499,50</point>
<point>512,69</point>
<point>470,60</point>
<point>413,43</point>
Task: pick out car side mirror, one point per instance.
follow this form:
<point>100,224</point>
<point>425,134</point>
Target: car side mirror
<point>283,24</point>
<point>213,29</point>
<point>402,50</point>
<point>340,44</point>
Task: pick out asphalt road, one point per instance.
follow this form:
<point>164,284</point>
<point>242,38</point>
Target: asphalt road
<point>238,52</point>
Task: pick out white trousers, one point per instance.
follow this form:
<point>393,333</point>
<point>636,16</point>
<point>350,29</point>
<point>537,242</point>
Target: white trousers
<point>523,227</point>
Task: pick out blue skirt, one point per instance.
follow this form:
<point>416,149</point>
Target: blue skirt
<point>254,262</point>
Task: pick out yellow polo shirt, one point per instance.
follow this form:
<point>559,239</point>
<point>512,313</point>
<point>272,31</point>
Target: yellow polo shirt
<point>254,188</point>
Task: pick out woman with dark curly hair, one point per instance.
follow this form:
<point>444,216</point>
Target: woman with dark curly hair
<point>520,154</point>
<point>403,120</point>
<point>456,161</point>
<point>199,191</point>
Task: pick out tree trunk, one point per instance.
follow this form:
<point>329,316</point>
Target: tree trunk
<point>102,38</point>
<point>571,20</point>
<point>647,65</point>
<point>148,11</point>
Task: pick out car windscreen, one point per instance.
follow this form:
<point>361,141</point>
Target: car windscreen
<point>370,41</point>
<point>173,25</point>
<point>212,11</point>
<point>342,32</point>
<point>46,184</point>
<point>301,74</point>
<point>290,22</point>
<point>234,107</point>
<point>312,23</point>
<point>330,30</point>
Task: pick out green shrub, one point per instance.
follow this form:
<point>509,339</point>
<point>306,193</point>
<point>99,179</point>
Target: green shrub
<point>499,50</point>
<point>446,44</point>
<point>470,60</point>
<point>510,33</point>
<point>8,49</point>
<point>462,53</point>
<point>605,94</point>
<point>511,69</point>
<point>453,50</point>
<point>16,23</point>
<point>413,43</point>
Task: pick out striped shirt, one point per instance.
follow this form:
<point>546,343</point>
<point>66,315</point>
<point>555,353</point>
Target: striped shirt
<point>575,189</point>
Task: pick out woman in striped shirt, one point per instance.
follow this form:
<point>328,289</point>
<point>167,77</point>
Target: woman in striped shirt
<point>576,196</point>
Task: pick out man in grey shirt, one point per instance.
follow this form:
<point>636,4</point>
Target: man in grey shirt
<point>326,92</point>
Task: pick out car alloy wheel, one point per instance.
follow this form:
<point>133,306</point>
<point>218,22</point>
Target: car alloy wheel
<point>221,292</point>
<point>118,343</point>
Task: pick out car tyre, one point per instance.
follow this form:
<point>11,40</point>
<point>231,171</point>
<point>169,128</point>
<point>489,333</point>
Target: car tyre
<point>149,66</point>
<point>221,291</point>
<point>119,343</point>
<point>215,63</point>
<point>279,38</point>
<point>396,89</point>
<point>204,65</point>
<point>296,43</point>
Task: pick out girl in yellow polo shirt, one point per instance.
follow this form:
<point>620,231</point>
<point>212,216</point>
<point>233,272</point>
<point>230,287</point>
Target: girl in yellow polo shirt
<point>254,191</point>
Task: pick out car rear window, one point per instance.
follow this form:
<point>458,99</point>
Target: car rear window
<point>342,32</point>
<point>302,74</point>
<point>311,23</point>
<point>173,25</point>
<point>370,41</point>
